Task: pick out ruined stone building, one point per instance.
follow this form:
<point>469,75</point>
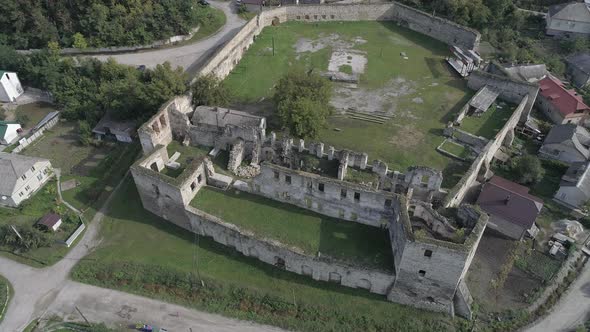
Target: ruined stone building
<point>431,253</point>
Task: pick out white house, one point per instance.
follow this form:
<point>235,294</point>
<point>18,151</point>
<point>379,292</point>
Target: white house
<point>10,87</point>
<point>21,176</point>
<point>568,19</point>
<point>9,132</point>
<point>574,188</point>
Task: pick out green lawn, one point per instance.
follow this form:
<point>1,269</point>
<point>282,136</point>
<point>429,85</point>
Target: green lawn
<point>298,227</point>
<point>34,113</point>
<point>215,20</point>
<point>489,123</point>
<point>5,295</point>
<point>433,93</point>
<point>538,264</point>
<point>188,153</point>
<point>245,287</point>
<point>456,149</point>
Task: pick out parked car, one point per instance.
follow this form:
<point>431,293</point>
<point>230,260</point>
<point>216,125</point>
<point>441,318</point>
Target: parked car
<point>203,2</point>
<point>144,327</point>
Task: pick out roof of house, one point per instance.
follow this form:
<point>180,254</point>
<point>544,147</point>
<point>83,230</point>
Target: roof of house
<point>484,98</point>
<point>221,117</point>
<point>49,220</point>
<point>12,167</point>
<point>115,127</point>
<point>566,101</point>
<point>528,73</point>
<point>510,201</point>
<point>4,127</point>
<point>577,175</point>
<point>564,133</point>
<point>46,119</point>
<point>581,61</point>
<point>573,11</point>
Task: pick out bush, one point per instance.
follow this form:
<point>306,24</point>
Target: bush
<point>210,91</point>
<point>528,169</point>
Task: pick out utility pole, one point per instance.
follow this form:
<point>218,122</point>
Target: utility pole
<point>81,314</point>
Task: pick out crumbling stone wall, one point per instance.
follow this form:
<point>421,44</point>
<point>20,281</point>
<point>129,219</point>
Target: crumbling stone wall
<point>236,155</point>
<point>481,164</point>
<point>338,199</point>
<point>158,129</point>
<point>271,252</point>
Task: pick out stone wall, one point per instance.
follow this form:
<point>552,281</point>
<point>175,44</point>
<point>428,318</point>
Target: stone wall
<point>338,199</point>
<point>24,142</point>
<point>158,129</point>
<point>511,90</point>
<point>273,252</point>
<point>227,57</point>
<point>504,137</point>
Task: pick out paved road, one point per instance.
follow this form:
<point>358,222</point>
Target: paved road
<point>572,310</point>
<point>39,292</point>
<point>189,56</point>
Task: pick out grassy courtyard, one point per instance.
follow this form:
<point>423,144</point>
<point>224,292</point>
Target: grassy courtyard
<point>456,149</point>
<point>419,94</point>
<point>489,123</point>
<point>295,226</point>
<point>140,249</point>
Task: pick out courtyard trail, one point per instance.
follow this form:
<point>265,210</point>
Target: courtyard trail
<point>190,56</point>
<point>47,291</point>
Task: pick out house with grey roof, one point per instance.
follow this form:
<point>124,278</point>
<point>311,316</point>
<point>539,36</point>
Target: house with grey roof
<point>571,18</point>
<point>568,143</point>
<point>574,188</point>
<point>21,176</point>
<point>578,69</point>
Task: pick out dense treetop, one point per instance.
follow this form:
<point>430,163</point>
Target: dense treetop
<point>28,24</point>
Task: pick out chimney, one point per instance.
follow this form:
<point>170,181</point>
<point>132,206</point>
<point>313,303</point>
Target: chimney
<point>507,199</point>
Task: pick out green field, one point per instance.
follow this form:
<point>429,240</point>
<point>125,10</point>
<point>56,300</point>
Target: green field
<point>426,93</point>
<point>489,123</point>
<point>237,286</point>
<point>33,113</point>
<point>456,149</point>
<point>295,226</point>
<point>189,153</point>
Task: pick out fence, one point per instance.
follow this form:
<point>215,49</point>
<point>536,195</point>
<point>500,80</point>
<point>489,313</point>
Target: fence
<point>24,142</point>
<point>76,233</point>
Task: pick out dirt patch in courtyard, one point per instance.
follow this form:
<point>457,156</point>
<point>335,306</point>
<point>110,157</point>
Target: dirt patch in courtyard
<point>382,101</point>
<point>407,137</point>
<point>333,40</point>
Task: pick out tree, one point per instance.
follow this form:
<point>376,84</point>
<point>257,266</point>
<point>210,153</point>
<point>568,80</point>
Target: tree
<point>163,83</point>
<point>528,169</point>
<point>79,41</point>
<point>303,102</point>
<point>209,90</point>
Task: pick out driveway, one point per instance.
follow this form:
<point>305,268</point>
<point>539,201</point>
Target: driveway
<point>572,310</point>
<point>189,56</point>
<point>48,290</point>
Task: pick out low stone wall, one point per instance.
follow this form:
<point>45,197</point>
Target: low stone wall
<point>24,142</point>
<point>226,58</point>
<point>273,252</point>
<point>120,49</point>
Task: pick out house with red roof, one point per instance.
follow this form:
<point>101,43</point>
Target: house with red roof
<point>561,105</point>
<point>511,208</point>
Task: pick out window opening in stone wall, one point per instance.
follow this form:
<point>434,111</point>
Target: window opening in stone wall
<point>343,193</point>
<point>428,253</point>
<point>199,178</point>
<point>321,187</point>
<point>421,273</point>
<point>276,175</point>
<point>307,17</point>
<point>315,17</point>
<point>155,127</point>
<point>357,196</point>
<point>288,179</point>
<point>280,263</point>
<point>193,186</point>
<point>332,16</point>
<point>163,121</point>
<point>387,203</point>
<point>156,190</point>
<point>324,17</point>
<point>154,167</point>
<point>430,299</point>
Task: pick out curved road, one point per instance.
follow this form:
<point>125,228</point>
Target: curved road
<point>47,291</point>
<point>188,56</point>
<point>572,310</point>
